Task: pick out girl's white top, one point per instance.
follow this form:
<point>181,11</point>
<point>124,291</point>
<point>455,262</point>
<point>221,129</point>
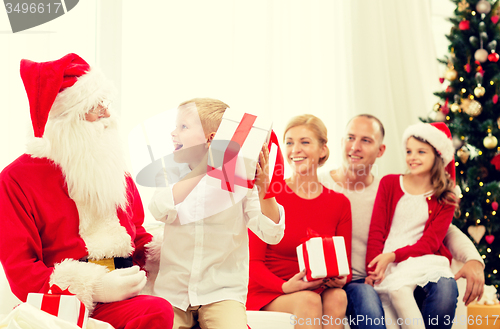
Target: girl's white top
<point>407,227</point>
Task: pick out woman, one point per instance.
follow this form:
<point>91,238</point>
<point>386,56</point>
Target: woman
<point>276,284</point>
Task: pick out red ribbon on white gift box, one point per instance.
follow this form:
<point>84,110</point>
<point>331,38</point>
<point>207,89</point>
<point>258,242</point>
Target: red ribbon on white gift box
<point>60,303</point>
<point>227,174</point>
<point>323,257</point>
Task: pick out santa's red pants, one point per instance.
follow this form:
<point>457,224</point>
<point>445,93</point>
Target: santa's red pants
<point>141,312</point>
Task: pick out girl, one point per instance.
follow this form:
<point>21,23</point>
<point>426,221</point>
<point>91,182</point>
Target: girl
<point>275,281</point>
<point>410,219</point>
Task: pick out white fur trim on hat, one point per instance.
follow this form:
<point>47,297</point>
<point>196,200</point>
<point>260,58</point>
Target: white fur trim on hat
<point>433,136</point>
<point>90,89</point>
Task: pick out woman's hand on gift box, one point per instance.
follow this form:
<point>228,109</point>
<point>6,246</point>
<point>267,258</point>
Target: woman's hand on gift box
<point>338,282</point>
<point>296,283</point>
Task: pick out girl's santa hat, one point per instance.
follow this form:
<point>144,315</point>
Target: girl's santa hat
<point>67,86</point>
<point>439,136</point>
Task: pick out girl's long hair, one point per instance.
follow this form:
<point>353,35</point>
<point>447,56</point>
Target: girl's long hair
<point>440,179</point>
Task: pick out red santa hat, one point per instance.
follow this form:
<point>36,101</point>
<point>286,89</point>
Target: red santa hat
<point>64,86</point>
<point>439,136</point>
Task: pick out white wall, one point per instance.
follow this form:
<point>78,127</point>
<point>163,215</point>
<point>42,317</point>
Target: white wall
<point>75,32</point>
<point>330,58</point>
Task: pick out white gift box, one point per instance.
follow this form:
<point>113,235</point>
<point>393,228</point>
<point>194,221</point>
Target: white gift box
<point>323,257</point>
<point>65,307</point>
<point>235,150</point>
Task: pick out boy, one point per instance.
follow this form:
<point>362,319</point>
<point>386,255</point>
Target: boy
<point>204,256</point>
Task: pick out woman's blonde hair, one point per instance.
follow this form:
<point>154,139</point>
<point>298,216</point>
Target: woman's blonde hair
<point>314,124</point>
<point>440,179</point>
<point>210,111</point>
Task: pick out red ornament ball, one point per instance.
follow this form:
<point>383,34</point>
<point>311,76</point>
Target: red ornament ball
<point>495,99</point>
<point>464,25</point>
<point>496,162</point>
<point>493,57</point>
<point>494,205</point>
<point>494,19</point>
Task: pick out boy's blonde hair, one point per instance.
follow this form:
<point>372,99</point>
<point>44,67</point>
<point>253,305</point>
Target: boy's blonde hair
<point>314,124</point>
<point>210,111</point>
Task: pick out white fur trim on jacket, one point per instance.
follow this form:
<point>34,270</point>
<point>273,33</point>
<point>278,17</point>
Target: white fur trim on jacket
<point>434,136</point>
<point>153,252</point>
<point>90,89</point>
<point>80,278</point>
<point>104,236</point>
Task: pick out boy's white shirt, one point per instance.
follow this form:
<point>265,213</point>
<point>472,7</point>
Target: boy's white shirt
<point>206,259</point>
<point>460,246</point>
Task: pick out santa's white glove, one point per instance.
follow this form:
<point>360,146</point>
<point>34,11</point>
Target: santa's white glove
<point>119,284</point>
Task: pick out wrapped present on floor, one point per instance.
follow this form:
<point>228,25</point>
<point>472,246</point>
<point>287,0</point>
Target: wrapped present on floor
<point>323,257</point>
<point>485,313</point>
<point>62,304</point>
<point>234,151</point>
<point>482,316</point>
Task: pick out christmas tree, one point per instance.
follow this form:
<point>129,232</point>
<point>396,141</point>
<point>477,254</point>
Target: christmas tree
<point>469,105</point>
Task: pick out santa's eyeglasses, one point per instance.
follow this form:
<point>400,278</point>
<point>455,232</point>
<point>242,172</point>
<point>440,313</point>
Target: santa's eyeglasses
<point>100,109</point>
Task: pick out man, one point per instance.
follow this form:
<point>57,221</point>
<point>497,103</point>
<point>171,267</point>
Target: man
<point>362,145</point>
<point>70,215</point>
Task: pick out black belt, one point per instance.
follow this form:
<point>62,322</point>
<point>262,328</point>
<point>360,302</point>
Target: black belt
<point>112,263</point>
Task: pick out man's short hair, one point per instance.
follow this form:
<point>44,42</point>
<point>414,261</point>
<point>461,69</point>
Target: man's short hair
<point>210,111</point>
<point>369,116</point>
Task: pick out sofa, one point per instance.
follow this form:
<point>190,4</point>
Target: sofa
<point>256,319</point>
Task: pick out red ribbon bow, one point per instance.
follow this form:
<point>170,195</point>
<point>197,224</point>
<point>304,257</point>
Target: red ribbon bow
<point>311,234</point>
<point>50,303</point>
<point>328,249</point>
<point>55,290</point>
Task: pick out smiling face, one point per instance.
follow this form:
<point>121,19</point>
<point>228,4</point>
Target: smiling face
<point>362,144</point>
<point>420,157</point>
<point>188,137</point>
<point>303,150</point>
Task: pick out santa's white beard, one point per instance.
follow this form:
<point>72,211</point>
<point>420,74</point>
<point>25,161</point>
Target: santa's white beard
<point>92,160</point>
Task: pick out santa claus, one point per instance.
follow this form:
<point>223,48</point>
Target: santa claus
<point>70,215</point>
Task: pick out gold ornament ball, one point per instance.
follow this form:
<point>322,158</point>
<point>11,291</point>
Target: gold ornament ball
<point>463,154</point>
<point>450,74</point>
<point>472,107</point>
<point>436,107</point>
<point>479,91</point>
<point>454,107</point>
<point>437,116</point>
<point>481,55</point>
<point>457,142</point>
<point>490,142</point>
<point>483,7</point>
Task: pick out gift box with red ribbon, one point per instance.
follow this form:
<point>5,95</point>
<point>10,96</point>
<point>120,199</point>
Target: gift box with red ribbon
<point>323,257</point>
<point>61,303</point>
<point>235,149</point>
